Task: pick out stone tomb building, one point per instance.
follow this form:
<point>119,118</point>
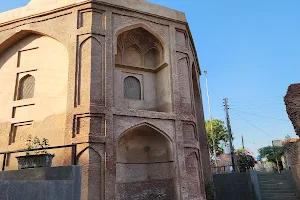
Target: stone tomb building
<point>121,77</point>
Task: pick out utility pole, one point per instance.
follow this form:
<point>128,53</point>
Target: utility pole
<point>229,134</point>
<point>243,141</point>
<point>211,125</point>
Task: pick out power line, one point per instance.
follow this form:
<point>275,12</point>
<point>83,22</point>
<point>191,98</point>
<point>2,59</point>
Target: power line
<point>248,104</point>
<point>244,138</point>
<point>261,115</point>
<point>257,105</point>
<point>266,97</point>
<point>263,120</point>
<point>257,100</point>
<point>256,126</point>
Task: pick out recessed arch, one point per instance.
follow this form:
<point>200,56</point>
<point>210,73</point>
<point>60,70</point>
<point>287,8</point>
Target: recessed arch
<point>145,164</point>
<point>146,124</point>
<point>90,49</point>
<point>96,158</point>
<point>140,50</point>
<point>125,28</point>
<point>92,164</point>
<point>16,37</point>
<point>30,57</point>
<point>144,144</point>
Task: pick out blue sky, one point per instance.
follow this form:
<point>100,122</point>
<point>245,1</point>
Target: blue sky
<point>251,52</point>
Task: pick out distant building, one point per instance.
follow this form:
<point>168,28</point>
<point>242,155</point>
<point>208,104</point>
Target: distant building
<point>277,143</point>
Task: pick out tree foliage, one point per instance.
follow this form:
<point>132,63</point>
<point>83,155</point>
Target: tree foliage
<point>220,134</point>
<point>245,162</point>
<point>273,154</point>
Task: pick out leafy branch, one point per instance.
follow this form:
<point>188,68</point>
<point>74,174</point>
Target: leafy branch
<point>36,143</point>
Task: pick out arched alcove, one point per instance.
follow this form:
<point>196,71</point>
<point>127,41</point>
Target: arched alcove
<point>91,161</point>
<point>141,54</point>
<point>139,48</point>
<point>90,54</point>
<point>34,80</point>
<point>145,165</point>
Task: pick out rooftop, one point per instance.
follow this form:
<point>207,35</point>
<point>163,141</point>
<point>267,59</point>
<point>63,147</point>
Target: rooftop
<point>42,6</point>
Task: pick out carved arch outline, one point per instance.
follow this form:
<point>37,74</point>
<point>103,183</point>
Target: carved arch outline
<point>14,38</point>
<point>187,57</point>
<point>193,151</point>
<point>194,125</point>
<point>150,126</point>
<point>127,27</point>
<point>79,67</point>
<point>84,150</point>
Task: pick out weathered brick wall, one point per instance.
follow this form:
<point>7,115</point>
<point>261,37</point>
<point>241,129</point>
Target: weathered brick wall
<point>292,102</point>
<point>293,161</point>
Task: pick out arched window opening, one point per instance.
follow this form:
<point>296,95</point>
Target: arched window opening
<point>26,87</point>
<point>132,88</point>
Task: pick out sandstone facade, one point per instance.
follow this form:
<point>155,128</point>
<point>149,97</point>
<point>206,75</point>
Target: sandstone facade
<point>120,77</point>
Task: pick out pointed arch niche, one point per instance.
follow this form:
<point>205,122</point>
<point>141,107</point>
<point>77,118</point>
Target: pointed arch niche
<point>145,164</point>
<point>141,54</point>
<point>34,75</point>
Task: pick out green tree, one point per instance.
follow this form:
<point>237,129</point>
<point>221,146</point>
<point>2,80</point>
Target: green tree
<point>273,154</point>
<point>244,161</point>
<point>220,134</point>
<point>287,137</point>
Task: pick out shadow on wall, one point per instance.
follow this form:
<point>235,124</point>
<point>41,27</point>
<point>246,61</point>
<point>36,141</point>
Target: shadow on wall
<point>15,43</point>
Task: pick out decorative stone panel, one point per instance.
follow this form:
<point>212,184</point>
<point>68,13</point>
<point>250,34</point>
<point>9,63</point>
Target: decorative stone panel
<point>90,70</point>
<point>88,124</point>
<point>189,131</point>
<point>193,174</point>
<point>184,84</point>
<point>20,131</point>
<point>181,38</point>
<point>91,18</point>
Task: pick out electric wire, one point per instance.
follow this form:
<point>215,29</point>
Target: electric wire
<point>255,126</point>
<point>260,115</point>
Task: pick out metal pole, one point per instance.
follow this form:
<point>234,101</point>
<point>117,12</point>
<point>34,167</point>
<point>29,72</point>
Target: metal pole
<point>243,142</point>
<point>229,134</point>
<point>211,125</point>
<point>4,162</point>
<point>74,154</point>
